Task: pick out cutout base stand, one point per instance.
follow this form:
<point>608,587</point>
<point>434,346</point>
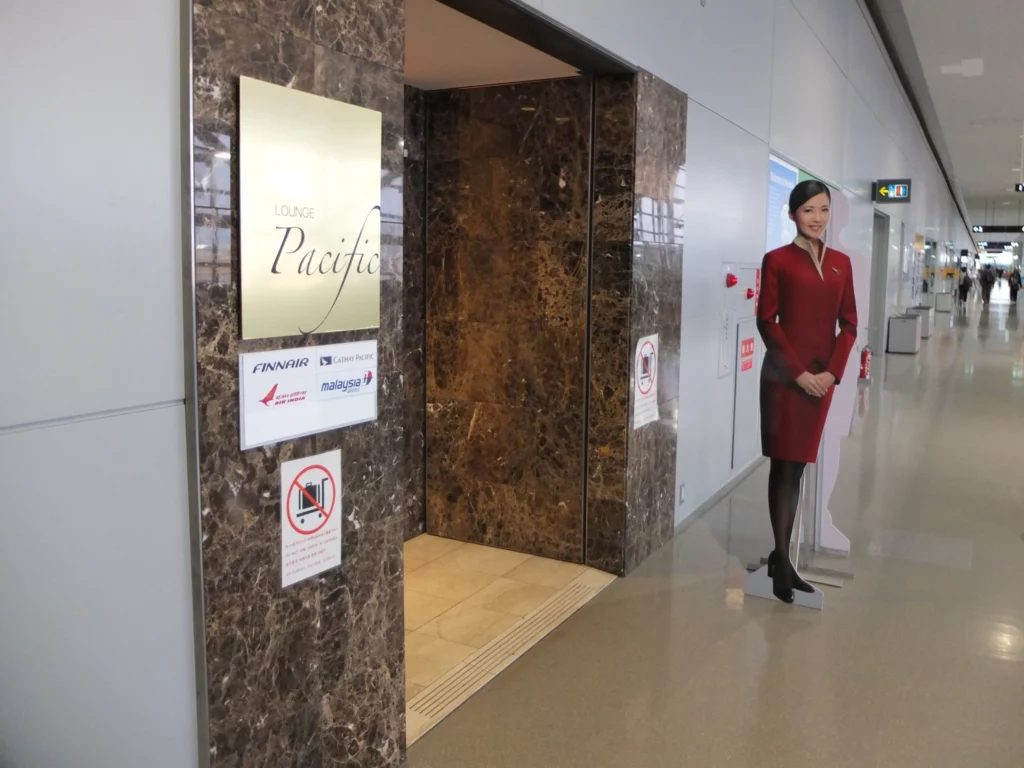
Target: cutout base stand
<point>759,585</point>
<point>830,577</point>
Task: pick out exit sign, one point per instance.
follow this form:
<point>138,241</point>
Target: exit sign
<point>891,191</point>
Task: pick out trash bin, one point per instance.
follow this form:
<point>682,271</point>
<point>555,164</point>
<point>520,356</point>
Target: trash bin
<point>905,334</point>
<point>943,302</point>
<point>927,319</point>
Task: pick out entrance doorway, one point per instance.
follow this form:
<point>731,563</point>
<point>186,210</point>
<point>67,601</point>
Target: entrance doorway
<point>879,283</point>
<point>497,236</point>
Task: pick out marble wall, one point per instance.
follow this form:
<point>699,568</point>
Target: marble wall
<point>312,674</point>
<point>507,230</point>
<point>636,291</point>
<point>610,289</point>
<point>656,307</point>
<point>414,312</point>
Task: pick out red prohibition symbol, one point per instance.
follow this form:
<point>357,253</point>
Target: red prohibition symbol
<point>311,499</point>
<point>646,368</point>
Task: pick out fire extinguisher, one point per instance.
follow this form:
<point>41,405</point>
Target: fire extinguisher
<point>865,363</point>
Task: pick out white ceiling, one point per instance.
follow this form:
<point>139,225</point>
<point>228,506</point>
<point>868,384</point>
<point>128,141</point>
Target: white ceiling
<point>972,59</point>
<point>446,49</point>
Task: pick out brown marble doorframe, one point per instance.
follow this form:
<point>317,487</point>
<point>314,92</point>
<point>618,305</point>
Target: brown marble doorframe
<point>490,474</point>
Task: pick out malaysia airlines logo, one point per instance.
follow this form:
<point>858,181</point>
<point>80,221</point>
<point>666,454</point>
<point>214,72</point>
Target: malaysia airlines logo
<point>348,386</point>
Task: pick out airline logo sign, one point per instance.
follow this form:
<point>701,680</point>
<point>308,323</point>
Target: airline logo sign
<point>891,191</point>
<point>295,392</point>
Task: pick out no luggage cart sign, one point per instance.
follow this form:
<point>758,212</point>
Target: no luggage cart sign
<point>645,387</point>
<point>310,516</point>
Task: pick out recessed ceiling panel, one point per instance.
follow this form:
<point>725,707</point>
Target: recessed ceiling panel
<point>446,49</point>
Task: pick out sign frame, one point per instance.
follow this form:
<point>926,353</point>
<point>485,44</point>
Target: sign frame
<point>290,393</point>
<point>645,369</point>
<point>306,553</point>
<point>310,212</point>
<point>880,191</point>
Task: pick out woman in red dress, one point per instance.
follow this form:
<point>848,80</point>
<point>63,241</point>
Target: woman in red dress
<point>806,293</point>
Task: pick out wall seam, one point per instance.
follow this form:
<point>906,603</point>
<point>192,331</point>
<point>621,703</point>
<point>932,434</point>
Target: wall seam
<point>61,421</point>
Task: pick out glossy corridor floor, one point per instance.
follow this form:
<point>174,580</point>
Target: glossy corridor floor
<point>919,661</point>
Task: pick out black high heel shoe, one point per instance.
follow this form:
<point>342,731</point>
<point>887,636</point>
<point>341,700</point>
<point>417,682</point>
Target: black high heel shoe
<point>782,586</point>
<point>799,583</point>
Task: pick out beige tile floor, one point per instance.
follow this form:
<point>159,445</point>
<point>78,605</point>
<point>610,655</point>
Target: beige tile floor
<point>918,662</point>
<point>460,596</point>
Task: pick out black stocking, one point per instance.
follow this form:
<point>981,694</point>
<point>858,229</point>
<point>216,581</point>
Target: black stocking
<point>783,502</point>
<point>783,499</point>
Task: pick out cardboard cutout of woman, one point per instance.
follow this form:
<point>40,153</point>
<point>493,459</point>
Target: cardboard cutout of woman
<point>807,293</point>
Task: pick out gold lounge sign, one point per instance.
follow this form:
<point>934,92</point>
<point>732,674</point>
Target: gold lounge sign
<point>309,177</point>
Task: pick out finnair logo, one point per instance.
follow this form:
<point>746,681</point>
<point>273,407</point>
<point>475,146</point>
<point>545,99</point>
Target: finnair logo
<point>281,365</point>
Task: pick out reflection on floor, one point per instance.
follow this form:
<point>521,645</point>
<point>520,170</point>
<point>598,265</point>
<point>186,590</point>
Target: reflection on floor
<point>918,661</point>
<point>470,611</point>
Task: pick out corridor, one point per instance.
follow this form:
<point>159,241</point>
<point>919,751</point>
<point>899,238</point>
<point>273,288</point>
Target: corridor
<point>918,661</point>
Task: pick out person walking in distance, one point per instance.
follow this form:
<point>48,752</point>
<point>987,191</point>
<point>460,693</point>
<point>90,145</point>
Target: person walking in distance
<point>965,289</point>
<point>806,292</point>
<point>987,278</point>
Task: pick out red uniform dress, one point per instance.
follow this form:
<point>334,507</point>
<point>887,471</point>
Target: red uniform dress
<point>797,316</point>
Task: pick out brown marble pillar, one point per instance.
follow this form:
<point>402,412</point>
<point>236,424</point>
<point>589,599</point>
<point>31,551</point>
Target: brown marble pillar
<point>311,675</point>
<point>636,291</point>
<point>656,307</point>
<point>414,318</point>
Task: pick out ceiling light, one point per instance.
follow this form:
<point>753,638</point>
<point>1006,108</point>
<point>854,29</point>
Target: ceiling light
<point>222,155</point>
<point>966,68</point>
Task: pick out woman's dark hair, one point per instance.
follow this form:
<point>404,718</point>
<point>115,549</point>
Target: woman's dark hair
<point>804,191</point>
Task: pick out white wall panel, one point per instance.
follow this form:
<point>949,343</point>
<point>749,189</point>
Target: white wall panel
<point>867,69</point>
<point>90,279</point>
<point>868,153</point>
<point>720,54</point>
<point>96,653</point>
<point>828,20</point>
<point>727,171</point>
<point>808,91</point>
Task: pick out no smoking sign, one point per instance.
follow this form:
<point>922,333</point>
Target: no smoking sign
<point>645,382</point>
<point>310,516</point>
